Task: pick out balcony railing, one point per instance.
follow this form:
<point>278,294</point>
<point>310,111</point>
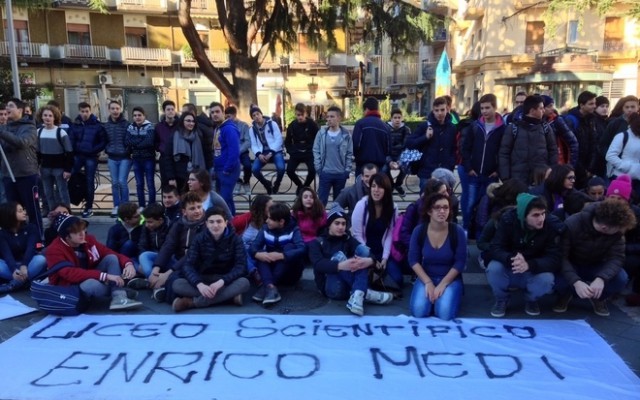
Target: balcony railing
<point>404,74</point>
<point>429,71</point>
<point>533,49</point>
<point>84,51</point>
<point>613,45</point>
<point>141,4</point>
<point>139,55</point>
<point>217,58</point>
<point>24,49</point>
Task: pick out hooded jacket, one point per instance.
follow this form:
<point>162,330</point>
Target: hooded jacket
<point>480,148</point>
<point>583,246</point>
<point>19,141</point>
<point>584,127</point>
<point>89,137</point>
<point>398,140</point>
<point>320,149</point>
<point>287,241</point>
<point>226,146</point>
<point>181,234</point>
<point>541,248</point>
<point>371,140</point>
<point>323,248</point>
<point>118,235</point>
<point>272,136</point>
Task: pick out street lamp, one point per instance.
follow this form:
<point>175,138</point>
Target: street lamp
<point>284,69</point>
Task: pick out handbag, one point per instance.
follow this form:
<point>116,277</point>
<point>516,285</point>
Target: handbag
<point>379,280</point>
<point>58,300</point>
<point>77,188</point>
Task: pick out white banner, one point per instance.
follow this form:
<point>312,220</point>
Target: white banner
<point>10,307</point>
<point>254,357</point>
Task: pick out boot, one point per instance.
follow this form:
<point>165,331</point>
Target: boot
<point>183,303</point>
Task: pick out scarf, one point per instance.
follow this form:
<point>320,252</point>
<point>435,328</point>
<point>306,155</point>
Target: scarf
<point>190,146</point>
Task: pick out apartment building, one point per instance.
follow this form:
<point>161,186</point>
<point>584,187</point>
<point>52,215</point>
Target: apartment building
<point>503,48</point>
<point>138,54</point>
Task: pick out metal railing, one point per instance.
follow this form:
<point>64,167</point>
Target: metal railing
<point>85,51</point>
<point>26,49</point>
<point>132,55</point>
<point>613,45</point>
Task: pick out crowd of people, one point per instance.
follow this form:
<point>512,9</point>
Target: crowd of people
<point>550,200</point>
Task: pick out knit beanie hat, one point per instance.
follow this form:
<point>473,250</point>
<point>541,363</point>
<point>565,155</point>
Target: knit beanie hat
<point>63,222</point>
<point>335,213</point>
<point>620,186</point>
<point>546,100</point>
<point>600,100</point>
<point>253,109</point>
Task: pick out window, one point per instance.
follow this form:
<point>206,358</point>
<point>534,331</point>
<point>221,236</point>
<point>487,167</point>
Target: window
<point>21,33</point>
<point>613,34</point>
<point>572,32</point>
<point>135,37</point>
<point>534,39</point>
<point>79,34</point>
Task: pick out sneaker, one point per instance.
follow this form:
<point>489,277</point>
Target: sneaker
<point>114,212</point>
<point>123,303</point>
<point>159,295</point>
<point>532,308</point>
<point>499,309</point>
<point>400,190</point>
<point>271,296</point>
<point>131,293</point>
<point>376,297</point>
<point>237,188</point>
<point>562,304</point>
<point>600,307</point>
<point>237,300</point>
<point>259,294</point>
<point>87,213</point>
<point>138,284</point>
<point>355,303</point>
<point>182,304</point>
<point>246,188</point>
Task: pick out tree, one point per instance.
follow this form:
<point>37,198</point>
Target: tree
<point>269,25</point>
<point>555,7</point>
<point>28,91</point>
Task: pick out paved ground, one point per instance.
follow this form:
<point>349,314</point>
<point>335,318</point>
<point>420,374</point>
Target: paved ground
<point>621,330</point>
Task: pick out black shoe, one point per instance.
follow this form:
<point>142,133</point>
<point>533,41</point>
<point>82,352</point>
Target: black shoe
<point>259,294</point>
<point>276,187</point>
<point>271,296</point>
<point>12,286</point>
<point>269,189</point>
<point>400,190</point>
<point>138,284</point>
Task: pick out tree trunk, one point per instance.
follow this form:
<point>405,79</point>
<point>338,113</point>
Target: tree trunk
<point>244,71</point>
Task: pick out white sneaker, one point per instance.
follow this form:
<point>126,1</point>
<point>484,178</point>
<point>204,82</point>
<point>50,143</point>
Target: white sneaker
<point>247,188</point>
<point>355,303</point>
<point>376,297</point>
<point>114,212</point>
<point>123,303</point>
<point>237,188</point>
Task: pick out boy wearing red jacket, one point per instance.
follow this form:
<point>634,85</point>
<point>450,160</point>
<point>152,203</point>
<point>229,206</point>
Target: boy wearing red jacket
<point>98,270</point>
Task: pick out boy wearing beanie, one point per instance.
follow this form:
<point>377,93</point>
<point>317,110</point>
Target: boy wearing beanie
<point>525,253</point>
<point>266,144</point>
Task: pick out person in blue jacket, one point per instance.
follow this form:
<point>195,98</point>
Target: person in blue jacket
<point>140,138</point>
<point>226,154</point>
<point>124,236</point>
<point>19,244</point>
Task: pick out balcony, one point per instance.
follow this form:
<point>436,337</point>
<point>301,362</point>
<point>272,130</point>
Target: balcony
<point>403,74</point>
<point>428,71</point>
<point>141,5</point>
<point>84,53</point>
<point>24,49</point>
<point>613,45</point>
<point>219,58</point>
<point>71,3</point>
<point>203,8</point>
<point>143,56</point>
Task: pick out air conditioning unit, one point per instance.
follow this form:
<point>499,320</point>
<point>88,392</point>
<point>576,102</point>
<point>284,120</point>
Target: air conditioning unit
<point>157,81</point>
<point>412,90</point>
<point>105,79</point>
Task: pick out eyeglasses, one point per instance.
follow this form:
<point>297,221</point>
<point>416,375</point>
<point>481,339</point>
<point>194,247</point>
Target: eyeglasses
<point>571,177</point>
<point>440,208</point>
<point>189,121</point>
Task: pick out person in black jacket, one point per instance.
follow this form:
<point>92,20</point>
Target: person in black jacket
<point>215,267</point>
<point>341,265</point>
<point>371,138</point>
<point>525,253</point>
<point>301,134</point>
<point>399,134</point>
<point>153,235</point>
<point>123,237</point>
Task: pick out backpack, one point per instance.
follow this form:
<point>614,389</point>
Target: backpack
<point>453,235</point>
<point>398,252</point>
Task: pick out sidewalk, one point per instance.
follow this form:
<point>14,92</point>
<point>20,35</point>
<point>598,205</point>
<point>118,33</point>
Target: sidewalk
<point>621,330</point>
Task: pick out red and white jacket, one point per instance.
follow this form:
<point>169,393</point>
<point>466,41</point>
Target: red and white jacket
<point>60,252</point>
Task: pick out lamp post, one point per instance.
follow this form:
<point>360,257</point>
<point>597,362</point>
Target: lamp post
<point>284,69</point>
<point>11,37</point>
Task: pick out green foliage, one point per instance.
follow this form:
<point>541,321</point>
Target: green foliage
<point>558,7</point>
<point>27,92</point>
<point>289,115</point>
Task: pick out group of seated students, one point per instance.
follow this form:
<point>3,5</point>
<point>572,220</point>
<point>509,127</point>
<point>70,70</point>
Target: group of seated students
<point>192,253</point>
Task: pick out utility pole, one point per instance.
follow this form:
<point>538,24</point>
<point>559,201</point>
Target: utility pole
<point>11,36</point>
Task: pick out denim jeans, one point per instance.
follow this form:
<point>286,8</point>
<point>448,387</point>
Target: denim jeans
<point>327,182</point>
<point>119,171</point>
<point>501,278</point>
<point>145,169</point>
<point>340,285</point>
<point>476,188</point>
<point>146,260</point>
<point>95,288</point>
<point>55,187</point>
<point>278,160</point>
<point>588,274</point>
<point>397,269</point>
<point>35,267</point>
<point>446,307</point>
<point>90,164</point>
<point>225,183</point>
